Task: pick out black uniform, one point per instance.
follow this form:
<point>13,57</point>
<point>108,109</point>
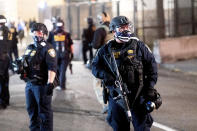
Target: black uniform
<point>87,37</point>
<point>13,43</point>
<point>40,58</point>
<point>130,58</point>
<point>4,65</point>
<point>62,43</point>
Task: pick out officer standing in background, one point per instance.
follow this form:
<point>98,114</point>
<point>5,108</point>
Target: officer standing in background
<point>13,42</point>
<point>101,36</point>
<point>87,37</point>
<point>39,70</point>
<point>102,33</point>
<point>138,70</point>
<point>4,64</point>
<point>62,43</point>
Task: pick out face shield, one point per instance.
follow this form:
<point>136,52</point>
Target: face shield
<point>124,32</point>
<point>38,36</point>
<point>59,26</point>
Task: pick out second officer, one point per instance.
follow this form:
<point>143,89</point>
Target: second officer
<point>62,43</point>
<point>39,65</point>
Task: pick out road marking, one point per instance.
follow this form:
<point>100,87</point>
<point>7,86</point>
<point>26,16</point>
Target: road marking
<point>161,126</point>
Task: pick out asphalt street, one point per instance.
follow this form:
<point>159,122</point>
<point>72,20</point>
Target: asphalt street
<point>77,108</point>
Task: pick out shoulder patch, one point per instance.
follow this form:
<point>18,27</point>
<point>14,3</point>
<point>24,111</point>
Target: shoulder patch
<point>43,43</point>
<point>52,52</point>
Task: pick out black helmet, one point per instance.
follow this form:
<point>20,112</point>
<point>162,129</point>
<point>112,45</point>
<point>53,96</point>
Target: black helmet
<point>122,27</point>
<point>2,19</point>
<point>117,22</point>
<point>59,23</point>
<point>39,27</point>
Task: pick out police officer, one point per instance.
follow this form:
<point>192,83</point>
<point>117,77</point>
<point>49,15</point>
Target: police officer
<point>102,33</point>
<point>138,69</point>
<point>87,37</point>
<point>4,64</point>
<point>13,42</point>
<point>40,65</point>
<point>62,43</point>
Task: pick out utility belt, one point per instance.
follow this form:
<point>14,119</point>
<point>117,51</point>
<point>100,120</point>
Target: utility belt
<point>36,80</point>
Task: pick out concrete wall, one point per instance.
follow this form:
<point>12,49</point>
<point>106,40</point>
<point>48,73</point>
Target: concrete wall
<point>174,49</point>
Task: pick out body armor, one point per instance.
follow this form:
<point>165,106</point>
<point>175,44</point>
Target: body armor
<point>60,44</point>
<point>130,67</point>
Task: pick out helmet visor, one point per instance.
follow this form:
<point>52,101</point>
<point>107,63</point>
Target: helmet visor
<point>122,28</point>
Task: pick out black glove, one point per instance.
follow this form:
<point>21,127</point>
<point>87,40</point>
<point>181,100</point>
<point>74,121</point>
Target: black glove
<point>154,96</point>
<point>49,89</point>
<point>109,79</point>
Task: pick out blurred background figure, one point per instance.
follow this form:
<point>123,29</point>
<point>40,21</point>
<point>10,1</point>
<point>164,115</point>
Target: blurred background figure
<point>87,36</point>
<point>101,36</point>
<point>21,31</point>
<point>4,64</point>
<point>62,43</point>
<point>31,22</point>
<point>102,33</point>
<point>13,49</point>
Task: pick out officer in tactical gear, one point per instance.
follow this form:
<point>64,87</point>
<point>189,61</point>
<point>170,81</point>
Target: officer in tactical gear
<point>4,63</point>
<point>87,37</point>
<point>62,43</point>
<point>129,58</point>
<point>39,71</point>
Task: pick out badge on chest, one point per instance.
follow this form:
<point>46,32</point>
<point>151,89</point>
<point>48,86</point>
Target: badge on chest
<point>130,54</point>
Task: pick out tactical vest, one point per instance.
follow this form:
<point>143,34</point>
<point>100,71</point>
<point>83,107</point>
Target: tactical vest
<point>130,66</point>
<point>37,68</point>
<point>60,44</point>
<point>109,35</point>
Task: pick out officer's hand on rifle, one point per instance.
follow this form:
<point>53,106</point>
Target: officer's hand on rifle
<point>109,79</point>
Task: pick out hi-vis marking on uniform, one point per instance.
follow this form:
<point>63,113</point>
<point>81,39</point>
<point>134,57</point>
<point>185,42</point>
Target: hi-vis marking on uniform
<point>51,52</point>
<point>33,53</point>
<point>12,30</point>
<point>130,51</point>
<point>59,37</point>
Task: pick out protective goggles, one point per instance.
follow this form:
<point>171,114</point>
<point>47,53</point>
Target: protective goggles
<point>122,28</point>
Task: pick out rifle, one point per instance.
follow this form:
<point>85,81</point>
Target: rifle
<point>122,91</point>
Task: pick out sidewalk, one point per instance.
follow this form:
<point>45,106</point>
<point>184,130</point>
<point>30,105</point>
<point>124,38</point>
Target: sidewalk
<point>185,66</point>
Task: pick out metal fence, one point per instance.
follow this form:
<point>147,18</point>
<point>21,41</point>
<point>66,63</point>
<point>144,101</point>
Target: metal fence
<point>179,17</point>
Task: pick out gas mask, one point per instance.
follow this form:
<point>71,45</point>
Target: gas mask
<point>124,33</point>
<point>59,26</point>
<point>38,39</point>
